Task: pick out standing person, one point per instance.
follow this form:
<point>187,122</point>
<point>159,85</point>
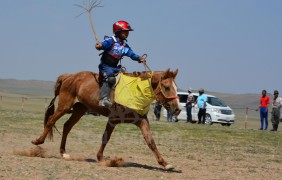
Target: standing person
<point>189,105</point>
<point>202,105</point>
<point>157,110</point>
<point>275,114</point>
<point>169,116</point>
<point>114,48</point>
<point>264,102</point>
<point>281,114</point>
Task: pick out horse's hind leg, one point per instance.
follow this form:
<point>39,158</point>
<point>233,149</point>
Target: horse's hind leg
<point>106,137</point>
<point>78,111</point>
<point>145,129</point>
<point>64,105</point>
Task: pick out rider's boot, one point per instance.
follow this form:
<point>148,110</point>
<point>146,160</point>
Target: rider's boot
<point>105,92</point>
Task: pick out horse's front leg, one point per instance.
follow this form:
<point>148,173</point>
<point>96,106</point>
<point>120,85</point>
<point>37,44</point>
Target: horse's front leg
<point>145,129</point>
<point>105,139</point>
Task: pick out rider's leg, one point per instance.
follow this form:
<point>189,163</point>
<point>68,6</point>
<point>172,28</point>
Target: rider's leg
<point>108,82</point>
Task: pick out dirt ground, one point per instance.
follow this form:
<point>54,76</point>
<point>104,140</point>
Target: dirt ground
<point>206,159</point>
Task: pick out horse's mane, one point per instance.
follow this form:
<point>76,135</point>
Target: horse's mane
<point>143,75</point>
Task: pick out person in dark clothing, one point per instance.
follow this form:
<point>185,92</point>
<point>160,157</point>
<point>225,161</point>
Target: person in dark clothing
<point>189,105</point>
<point>157,111</point>
<point>275,114</point>
<point>201,101</point>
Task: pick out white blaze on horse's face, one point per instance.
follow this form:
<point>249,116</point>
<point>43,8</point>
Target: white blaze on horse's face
<point>177,100</point>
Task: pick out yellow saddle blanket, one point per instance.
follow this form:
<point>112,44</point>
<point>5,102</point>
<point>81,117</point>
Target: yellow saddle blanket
<point>134,93</point>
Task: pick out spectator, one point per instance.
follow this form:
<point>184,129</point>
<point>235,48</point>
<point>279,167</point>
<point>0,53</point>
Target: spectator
<point>189,105</point>
<point>281,114</point>
<point>275,114</point>
<point>169,116</point>
<point>264,102</point>
<point>202,104</point>
<point>157,110</point>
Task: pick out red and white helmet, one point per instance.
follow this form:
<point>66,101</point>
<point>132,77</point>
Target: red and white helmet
<point>121,25</point>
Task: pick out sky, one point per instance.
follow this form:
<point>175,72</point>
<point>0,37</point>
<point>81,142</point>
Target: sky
<point>230,46</point>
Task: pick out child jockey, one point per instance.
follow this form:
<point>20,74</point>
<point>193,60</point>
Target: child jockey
<point>114,49</point>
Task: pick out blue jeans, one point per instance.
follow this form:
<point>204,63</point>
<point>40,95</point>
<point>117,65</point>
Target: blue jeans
<point>169,116</point>
<point>189,112</point>
<point>263,117</point>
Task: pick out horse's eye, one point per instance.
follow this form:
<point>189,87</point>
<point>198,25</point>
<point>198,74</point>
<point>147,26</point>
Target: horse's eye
<point>166,88</point>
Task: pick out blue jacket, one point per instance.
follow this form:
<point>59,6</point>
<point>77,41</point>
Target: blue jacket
<point>114,50</point>
<point>118,49</point>
<point>201,101</point>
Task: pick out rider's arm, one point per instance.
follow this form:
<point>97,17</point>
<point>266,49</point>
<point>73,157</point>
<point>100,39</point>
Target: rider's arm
<point>107,44</point>
<point>129,53</point>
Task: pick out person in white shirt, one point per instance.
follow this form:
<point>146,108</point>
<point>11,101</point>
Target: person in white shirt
<point>275,114</point>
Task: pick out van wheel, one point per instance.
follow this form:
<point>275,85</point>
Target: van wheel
<point>208,119</point>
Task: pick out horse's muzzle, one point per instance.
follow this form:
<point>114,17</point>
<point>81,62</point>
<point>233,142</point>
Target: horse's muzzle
<point>176,112</point>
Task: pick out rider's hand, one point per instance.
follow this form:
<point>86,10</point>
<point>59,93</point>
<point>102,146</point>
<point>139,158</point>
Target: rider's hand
<point>98,46</point>
<point>142,60</point>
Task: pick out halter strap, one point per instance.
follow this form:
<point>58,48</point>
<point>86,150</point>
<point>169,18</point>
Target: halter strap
<point>166,97</point>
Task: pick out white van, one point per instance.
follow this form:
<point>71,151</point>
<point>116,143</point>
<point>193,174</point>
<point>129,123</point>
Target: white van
<point>217,111</point>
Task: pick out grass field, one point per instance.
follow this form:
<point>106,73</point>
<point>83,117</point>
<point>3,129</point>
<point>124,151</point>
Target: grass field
<point>197,151</point>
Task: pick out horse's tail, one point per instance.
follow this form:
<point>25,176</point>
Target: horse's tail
<point>51,108</point>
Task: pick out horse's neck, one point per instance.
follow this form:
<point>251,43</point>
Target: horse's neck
<point>155,76</point>
<point>142,75</point>
<point>145,74</point>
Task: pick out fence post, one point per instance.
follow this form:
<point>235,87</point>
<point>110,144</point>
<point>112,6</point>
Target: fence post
<point>22,103</point>
<point>246,119</point>
<point>0,102</point>
<point>45,104</point>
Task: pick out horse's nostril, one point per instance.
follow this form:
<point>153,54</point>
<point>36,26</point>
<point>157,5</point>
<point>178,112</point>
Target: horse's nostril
<point>176,112</point>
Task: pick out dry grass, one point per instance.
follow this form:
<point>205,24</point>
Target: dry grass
<point>197,151</point>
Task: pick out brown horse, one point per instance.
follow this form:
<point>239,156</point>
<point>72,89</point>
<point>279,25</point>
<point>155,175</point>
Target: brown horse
<point>80,92</point>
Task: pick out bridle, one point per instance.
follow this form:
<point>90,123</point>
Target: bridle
<point>166,98</point>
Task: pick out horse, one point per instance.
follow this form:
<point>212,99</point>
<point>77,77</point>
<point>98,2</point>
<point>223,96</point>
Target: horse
<point>80,92</point>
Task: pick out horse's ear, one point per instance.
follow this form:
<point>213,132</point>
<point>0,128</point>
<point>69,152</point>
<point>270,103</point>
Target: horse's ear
<point>166,73</point>
<point>175,73</point>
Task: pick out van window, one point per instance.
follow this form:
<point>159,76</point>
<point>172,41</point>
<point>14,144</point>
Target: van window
<point>182,98</point>
<point>214,101</point>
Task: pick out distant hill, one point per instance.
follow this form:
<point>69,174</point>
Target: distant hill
<point>27,87</point>
<point>45,88</point>
<point>237,101</point>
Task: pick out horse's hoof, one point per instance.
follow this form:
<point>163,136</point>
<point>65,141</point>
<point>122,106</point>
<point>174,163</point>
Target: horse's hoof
<point>169,167</point>
<point>66,156</point>
<point>36,142</point>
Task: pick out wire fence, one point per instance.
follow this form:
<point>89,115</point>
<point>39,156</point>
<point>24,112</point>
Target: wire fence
<point>24,103</point>
<point>39,105</point>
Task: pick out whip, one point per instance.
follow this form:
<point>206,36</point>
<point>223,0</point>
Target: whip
<point>88,6</point>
